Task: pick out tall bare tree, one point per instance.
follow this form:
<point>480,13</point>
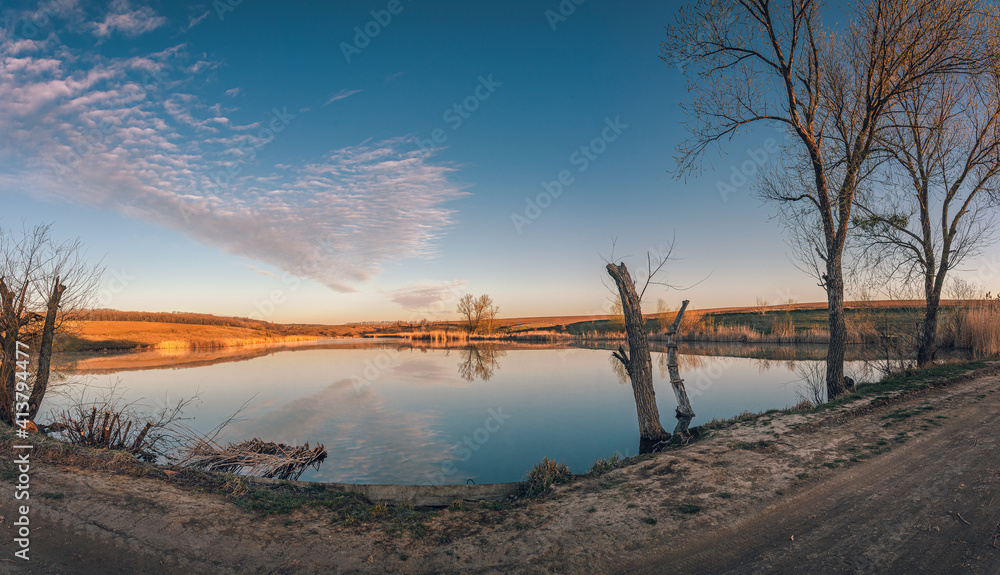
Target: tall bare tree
<point>42,282</point>
<point>944,147</point>
<point>831,92</point>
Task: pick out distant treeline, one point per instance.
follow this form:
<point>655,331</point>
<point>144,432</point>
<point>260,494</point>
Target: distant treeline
<point>170,317</point>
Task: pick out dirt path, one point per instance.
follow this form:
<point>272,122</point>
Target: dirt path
<point>876,492</point>
<point>927,507</point>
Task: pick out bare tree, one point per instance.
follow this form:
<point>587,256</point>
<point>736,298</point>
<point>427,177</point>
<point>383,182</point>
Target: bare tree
<point>685,413</point>
<point>478,314</point>
<point>832,93</point>
<point>467,309</point>
<point>637,360</point>
<point>761,305</point>
<point>944,146</point>
<point>42,283</point>
<point>488,313</point>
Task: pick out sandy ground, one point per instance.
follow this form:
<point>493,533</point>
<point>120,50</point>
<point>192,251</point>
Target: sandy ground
<point>906,487</point>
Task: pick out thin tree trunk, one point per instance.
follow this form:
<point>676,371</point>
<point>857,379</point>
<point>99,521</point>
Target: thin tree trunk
<point>637,361</point>
<point>684,411</point>
<point>45,350</point>
<point>838,330</point>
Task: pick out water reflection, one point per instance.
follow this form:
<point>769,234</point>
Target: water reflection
<point>480,361</point>
<point>368,440</point>
<point>418,418</point>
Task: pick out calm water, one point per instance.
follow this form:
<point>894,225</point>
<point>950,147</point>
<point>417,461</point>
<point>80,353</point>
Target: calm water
<point>395,414</point>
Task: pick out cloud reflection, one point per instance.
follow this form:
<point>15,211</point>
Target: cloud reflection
<point>367,441</point>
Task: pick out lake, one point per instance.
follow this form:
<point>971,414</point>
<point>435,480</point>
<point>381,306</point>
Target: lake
<point>391,412</point>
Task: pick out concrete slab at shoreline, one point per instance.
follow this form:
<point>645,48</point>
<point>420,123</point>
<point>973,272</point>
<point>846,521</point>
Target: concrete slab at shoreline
<point>416,495</point>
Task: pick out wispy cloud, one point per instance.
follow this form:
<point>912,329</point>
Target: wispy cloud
<point>129,135</point>
<point>427,296</point>
<point>195,20</point>
<point>340,96</point>
<point>360,432</point>
<point>128,21</point>
<point>265,273</point>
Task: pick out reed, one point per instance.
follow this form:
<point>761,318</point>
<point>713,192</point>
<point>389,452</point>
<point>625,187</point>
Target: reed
<point>975,327</point>
<point>228,342</point>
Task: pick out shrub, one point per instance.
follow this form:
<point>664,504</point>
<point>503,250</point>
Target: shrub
<point>543,475</point>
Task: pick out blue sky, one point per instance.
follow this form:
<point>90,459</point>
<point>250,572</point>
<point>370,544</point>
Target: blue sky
<point>264,159</point>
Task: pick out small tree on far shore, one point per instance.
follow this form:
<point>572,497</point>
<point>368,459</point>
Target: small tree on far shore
<point>479,315</point>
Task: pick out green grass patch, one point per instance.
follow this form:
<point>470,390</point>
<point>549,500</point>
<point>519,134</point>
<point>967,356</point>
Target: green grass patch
<point>689,508</point>
<point>543,476</point>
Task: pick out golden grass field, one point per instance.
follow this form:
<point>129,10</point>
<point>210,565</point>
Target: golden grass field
<point>126,335</point>
<point>175,335</point>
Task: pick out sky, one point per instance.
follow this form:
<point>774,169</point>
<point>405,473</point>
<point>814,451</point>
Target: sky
<point>331,162</point>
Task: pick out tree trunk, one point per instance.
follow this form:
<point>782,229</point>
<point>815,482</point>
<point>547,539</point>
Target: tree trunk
<point>637,361</point>
<point>45,350</point>
<point>9,326</point>
<point>684,411</point>
<point>928,333</point>
<point>838,330</point>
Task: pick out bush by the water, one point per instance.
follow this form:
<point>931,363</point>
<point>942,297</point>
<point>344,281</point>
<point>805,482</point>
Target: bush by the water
<point>543,475</point>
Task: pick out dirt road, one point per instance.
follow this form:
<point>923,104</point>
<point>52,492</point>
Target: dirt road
<point>929,506</point>
<point>909,486</point>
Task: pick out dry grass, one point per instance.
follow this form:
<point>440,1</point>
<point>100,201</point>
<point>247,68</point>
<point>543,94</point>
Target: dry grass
<point>442,336</point>
<point>176,336</point>
<point>975,327</point>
